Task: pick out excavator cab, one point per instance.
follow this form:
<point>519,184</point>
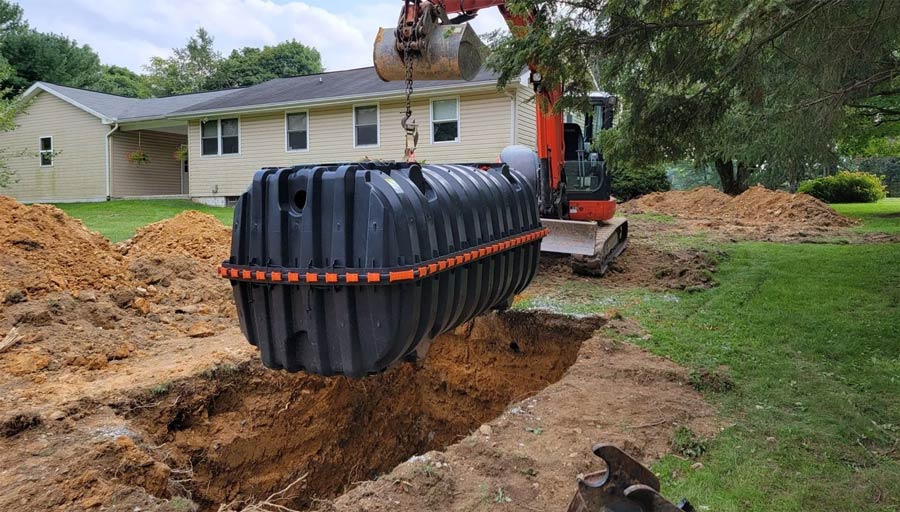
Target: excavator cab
<point>586,174</point>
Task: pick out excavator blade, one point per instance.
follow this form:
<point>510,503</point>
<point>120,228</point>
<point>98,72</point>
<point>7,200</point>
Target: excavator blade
<point>453,53</point>
<point>593,246</point>
<point>570,237</point>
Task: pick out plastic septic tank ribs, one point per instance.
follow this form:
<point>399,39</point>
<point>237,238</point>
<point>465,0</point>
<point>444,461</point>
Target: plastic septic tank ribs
<point>348,269</point>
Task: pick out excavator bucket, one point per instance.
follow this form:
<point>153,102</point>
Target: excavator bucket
<point>349,269</point>
<point>453,52</point>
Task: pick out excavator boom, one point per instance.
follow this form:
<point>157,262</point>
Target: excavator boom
<point>571,181</point>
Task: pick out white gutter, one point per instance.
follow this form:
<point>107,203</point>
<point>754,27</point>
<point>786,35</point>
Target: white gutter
<point>108,173</point>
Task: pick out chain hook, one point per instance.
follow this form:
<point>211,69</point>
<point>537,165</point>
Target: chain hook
<point>410,127</point>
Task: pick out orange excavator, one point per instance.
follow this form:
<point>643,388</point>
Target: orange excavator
<point>572,182</point>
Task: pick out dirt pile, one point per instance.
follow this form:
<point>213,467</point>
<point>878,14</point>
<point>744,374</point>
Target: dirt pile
<point>759,204</point>
<point>178,257</point>
<point>756,206</point>
<point>699,202</point>
<point>80,305</point>
<point>44,250</point>
<point>190,234</point>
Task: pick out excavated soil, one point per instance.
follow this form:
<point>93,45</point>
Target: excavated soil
<point>132,388</point>
<point>191,234</point>
<point>234,433</point>
<point>153,292</point>
<point>758,213</point>
<point>43,250</point>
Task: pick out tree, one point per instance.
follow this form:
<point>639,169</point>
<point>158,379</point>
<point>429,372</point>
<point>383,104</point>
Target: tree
<point>187,70</point>
<point>122,81</point>
<point>52,58</point>
<point>250,66</point>
<point>8,110</point>
<point>740,85</point>
<point>11,17</point>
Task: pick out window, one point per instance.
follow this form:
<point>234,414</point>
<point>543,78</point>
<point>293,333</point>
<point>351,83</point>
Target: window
<point>297,131</point>
<point>365,123</point>
<point>46,151</point>
<point>220,137</point>
<point>445,120</point>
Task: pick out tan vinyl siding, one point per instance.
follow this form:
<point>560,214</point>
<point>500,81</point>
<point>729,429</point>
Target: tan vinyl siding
<point>162,176</point>
<point>79,167</point>
<point>526,119</point>
<point>485,129</point>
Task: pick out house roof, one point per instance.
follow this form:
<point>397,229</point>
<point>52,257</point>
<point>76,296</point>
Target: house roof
<point>119,108</point>
<point>347,84</point>
<point>351,83</point>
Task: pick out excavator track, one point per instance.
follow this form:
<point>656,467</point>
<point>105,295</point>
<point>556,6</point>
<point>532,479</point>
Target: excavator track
<point>593,246</point>
<point>611,240</point>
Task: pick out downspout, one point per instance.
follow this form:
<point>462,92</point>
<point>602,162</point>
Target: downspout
<point>108,172</point>
<point>512,117</point>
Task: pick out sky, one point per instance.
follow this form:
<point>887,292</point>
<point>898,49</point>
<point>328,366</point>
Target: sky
<point>128,32</point>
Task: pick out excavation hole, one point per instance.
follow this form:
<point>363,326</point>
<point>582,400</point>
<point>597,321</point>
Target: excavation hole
<point>251,431</point>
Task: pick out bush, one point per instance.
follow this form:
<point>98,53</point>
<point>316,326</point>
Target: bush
<point>845,187</point>
<point>630,183</point>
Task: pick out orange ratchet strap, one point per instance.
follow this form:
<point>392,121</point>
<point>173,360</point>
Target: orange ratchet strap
<point>256,274</point>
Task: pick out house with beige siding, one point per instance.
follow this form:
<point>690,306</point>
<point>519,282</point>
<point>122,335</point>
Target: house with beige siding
<point>77,145</point>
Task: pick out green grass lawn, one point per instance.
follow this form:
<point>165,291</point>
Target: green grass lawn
<point>883,216</point>
<point>810,335</point>
<point>118,220</point>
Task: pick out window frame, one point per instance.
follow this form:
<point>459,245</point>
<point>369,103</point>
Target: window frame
<point>377,106</point>
<point>458,138</point>
<point>42,151</point>
<point>287,134</point>
<point>218,152</point>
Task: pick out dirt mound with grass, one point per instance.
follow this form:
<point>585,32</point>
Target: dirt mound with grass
<point>191,234</point>
<point>756,206</point>
<point>43,250</point>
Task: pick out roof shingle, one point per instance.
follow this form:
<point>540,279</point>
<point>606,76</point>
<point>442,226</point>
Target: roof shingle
<point>299,89</point>
<point>335,84</point>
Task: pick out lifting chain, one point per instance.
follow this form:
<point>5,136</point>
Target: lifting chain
<point>408,33</point>
<point>410,128</point>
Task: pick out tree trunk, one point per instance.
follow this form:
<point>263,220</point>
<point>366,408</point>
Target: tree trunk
<point>734,181</point>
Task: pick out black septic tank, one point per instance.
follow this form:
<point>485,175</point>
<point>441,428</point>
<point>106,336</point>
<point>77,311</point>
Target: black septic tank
<point>348,269</point>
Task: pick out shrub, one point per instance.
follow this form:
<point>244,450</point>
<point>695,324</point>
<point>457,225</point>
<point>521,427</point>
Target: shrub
<point>845,187</point>
<point>630,183</point>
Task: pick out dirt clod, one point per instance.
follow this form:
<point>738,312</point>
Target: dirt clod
<point>18,423</point>
<point>201,330</point>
